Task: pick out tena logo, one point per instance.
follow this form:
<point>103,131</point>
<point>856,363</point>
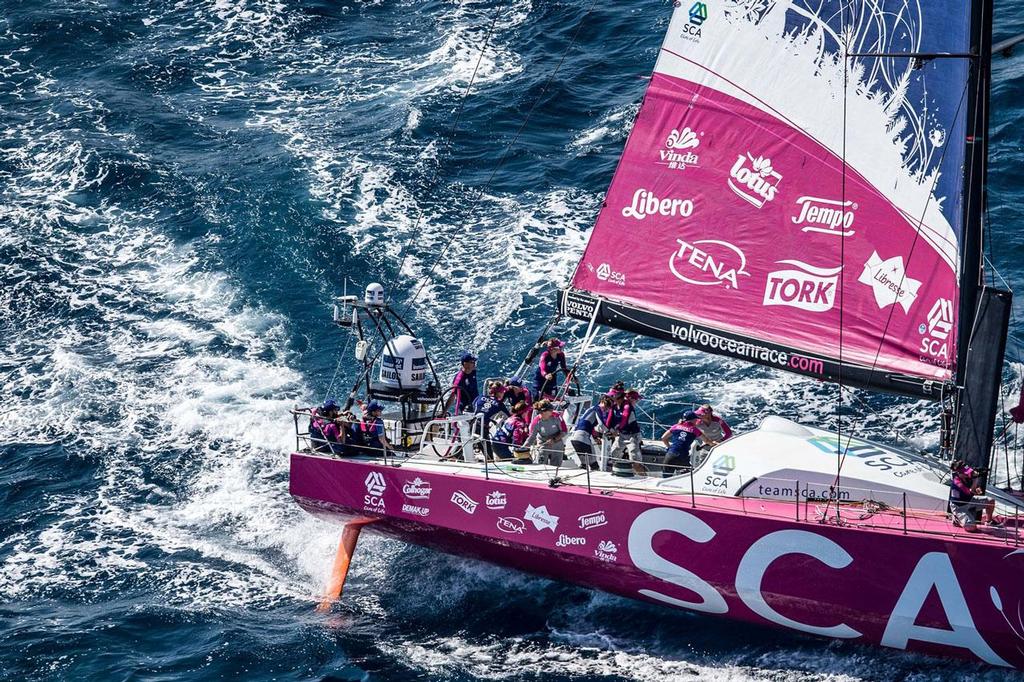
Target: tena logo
<point>825,216</point>
<point>708,262</point>
<point>496,500</point>
<point>417,489</point>
<point>510,524</point>
<point>540,517</point>
<point>888,279</point>
<point>593,520</point>
<point>568,540</point>
<point>375,487</point>
<point>804,286</point>
<point>935,333</point>
<point>464,502</point>
<point>674,155</point>
<point>757,184</point>
<point>606,551</point>
<point>645,203</point>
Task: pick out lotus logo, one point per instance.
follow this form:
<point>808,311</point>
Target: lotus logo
<point>375,484</point>
<point>496,500</point>
<point>754,180</point>
<point>698,13</point>
<point>682,139</point>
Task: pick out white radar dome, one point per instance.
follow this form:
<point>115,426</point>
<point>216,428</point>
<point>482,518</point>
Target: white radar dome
<point>374,294</point>
<point>403,363</point>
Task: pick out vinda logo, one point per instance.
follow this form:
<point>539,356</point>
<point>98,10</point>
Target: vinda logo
<point>803,286</point>
<point>889,282</point>
<point>708,263</point>
<point>606,551</point>
<point>754,180</point>
<point>935,333</point>
<point>645,203</point>
<point>675,155</point>
<point>825,216</point>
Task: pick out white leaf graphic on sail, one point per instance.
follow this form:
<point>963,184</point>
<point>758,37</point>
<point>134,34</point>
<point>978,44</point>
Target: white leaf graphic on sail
<point>682,139</point>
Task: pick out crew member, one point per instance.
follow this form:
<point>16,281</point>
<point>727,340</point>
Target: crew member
<point>678,440</point>
<point>588,431</point>
<point>465,388</point>
<point>627,443</point>
<point>547,430</point>
<point>371,428</point>
<point>545,378</point>
<point>512,433</point>
<point>325,432</point>
<point>515,393</point>
<point>490,405</point>
<point>713,429</point>
<point>964,501</point>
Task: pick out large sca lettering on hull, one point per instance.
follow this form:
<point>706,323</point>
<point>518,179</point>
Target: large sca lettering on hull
<point>933,573</point>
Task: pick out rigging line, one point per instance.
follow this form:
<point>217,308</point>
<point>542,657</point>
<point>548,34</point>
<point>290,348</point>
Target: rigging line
<point>504,156</point>
<point>910,254</point>
<point>451,134</point>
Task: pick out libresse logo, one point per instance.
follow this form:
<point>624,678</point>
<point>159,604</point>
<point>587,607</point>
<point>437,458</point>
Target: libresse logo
<point>825,216</point>
<point>675,155</point>
<point>708,262</point>
<point>754,180</point>
<point>889,282</point>
<point>645,204</point>
<point>935,332</point>
<point>803,286</point>
<point>540,518</point>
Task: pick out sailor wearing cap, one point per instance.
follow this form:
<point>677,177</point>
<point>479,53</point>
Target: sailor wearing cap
<point>465,388</point>
<point>371,430</point>
<point>545,378</point>
<point>325,433</point>
<point>678,440</point>
<point>713,429</point>
<point>516,393</point>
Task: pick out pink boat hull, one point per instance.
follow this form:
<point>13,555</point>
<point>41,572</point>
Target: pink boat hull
<point>953,596</point>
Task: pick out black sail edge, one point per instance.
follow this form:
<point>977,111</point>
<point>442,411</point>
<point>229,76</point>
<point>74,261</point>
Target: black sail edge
<point>581,305</point>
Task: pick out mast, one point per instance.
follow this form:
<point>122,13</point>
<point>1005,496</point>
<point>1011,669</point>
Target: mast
<point>984,311</point>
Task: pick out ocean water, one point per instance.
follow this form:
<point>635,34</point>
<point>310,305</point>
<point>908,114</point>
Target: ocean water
<point>183,188</point>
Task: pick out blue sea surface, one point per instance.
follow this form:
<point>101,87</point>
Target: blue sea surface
<point>184,186</point>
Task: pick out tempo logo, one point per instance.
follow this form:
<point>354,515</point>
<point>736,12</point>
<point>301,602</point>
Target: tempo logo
<point>593,520</point>
<point>825,216</point>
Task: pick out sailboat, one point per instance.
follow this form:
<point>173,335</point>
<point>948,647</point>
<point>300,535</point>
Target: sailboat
<point>802,188</point>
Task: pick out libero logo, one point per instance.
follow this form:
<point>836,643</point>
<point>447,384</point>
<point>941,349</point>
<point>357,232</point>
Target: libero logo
<point>676,154</point>
<point>935,331</point>
<point>645,203</point>
<point>754,180</point>
<point>803,286</point>
<point>825,216</point>
<point>708,263</point>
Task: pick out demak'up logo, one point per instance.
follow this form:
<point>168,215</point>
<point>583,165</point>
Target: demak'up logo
<point>698,13</point>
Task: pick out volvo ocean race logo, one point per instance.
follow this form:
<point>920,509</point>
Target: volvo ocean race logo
<point>804,286</point>
<point>754,180</point>
<point>698,15</point>
<point>675,154</point>
<point>375,487</point>
<point>708,262</point>
<point>645,203</point>
<point>935,333</point>
<point>825,216</point>
<point>888,279</point>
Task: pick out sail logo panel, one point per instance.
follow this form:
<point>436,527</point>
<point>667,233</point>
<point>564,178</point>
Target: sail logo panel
<point>774,190</point>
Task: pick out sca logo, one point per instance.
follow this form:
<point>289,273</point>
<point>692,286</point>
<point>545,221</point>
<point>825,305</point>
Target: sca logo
<point>935,333</point>
<point>375,487</point>
<point>754,180</point>
<point>698,15</point>
<point>708,262</point>
<point>720,470</point>
<point>606,274</point>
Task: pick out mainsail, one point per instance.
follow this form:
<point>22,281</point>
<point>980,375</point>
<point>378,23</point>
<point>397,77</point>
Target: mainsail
<point>792,191</point>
